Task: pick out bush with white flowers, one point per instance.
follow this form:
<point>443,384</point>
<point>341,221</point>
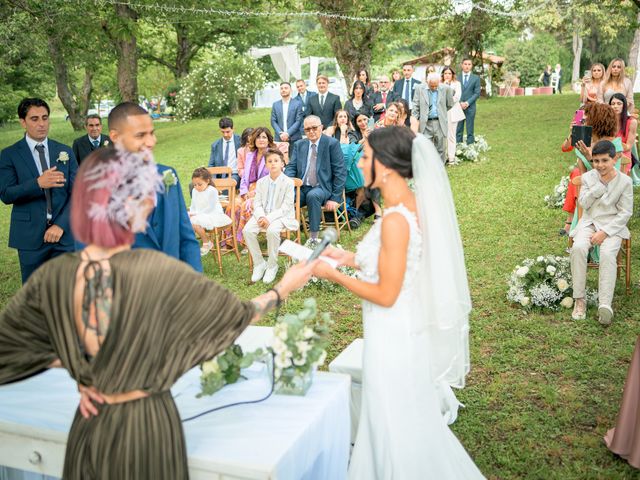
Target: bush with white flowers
<point>215,87</point>
<point>556,199</point>
<point>473,152</point>
<point>544,282</point>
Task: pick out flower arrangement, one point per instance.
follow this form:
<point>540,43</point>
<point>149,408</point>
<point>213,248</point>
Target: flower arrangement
<point>544,282</point>
<point>298,347</point>
<point>225,369</point>
<point>473,152</point>
<point>169,179</point>
<point>63,157</point>
<point>556,199</point>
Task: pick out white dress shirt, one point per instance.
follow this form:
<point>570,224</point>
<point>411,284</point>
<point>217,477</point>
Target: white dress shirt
<point>36,156</point>
<point>233,158</point>
<point>271,194</point>
<point>285,114</point>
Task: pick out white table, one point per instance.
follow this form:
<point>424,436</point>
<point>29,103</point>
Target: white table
<point>285,437</point>
<point>349,362</point>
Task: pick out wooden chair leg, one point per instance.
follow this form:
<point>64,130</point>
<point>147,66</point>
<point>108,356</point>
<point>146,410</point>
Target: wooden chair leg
<point>218,255</point>
<point>628,267</point>
<point>336,222</point>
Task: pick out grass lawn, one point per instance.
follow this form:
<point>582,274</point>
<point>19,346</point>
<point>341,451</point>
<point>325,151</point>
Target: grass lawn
<point>543,388</point>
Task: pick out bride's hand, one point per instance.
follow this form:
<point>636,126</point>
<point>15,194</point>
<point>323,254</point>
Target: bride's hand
<point>343,257</point>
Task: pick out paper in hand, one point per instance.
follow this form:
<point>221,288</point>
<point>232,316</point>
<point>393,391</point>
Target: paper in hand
<point>301,253</point>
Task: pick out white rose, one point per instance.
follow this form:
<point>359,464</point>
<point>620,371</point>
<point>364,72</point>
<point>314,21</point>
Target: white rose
<point>540,259</point>
<point>283,360</point>
<point>562,284</point>
<point>567,302</point>
<point>308,333</point>
<point>210,367</point>
<point>551,270</point>
<point>278,346</point>
<point>525,301</point>
<point>323,357</point>
<point>303,347</point>
<point>522,271</point>
<point>281,331</point>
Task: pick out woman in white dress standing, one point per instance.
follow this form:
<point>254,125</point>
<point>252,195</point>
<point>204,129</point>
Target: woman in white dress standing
<point>415,312</point>
<point>449,78</point>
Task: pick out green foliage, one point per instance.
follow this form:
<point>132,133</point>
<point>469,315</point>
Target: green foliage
<point>215,87</point>
<point>529,57</point>
<point>225,369</point>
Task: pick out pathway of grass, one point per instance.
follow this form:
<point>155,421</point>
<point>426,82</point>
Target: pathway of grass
<point>543,389</point>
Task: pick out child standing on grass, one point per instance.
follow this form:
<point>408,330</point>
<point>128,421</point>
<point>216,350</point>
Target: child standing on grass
<point>205,212</point>
<point>273,211</point>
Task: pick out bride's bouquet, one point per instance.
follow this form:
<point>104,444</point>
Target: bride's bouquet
<point>544,282</point>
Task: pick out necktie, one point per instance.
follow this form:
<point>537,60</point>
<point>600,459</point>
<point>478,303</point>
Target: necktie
<point>406,91</point>
<point>226,152</point>
<point>384,97</point>
<point>321,102</point>
<point>466,79</point>
<point>96,143</point>
<point>47,191</point>
<point>311,179</point>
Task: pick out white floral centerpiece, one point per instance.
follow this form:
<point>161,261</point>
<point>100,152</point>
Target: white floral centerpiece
<point>473,152</point>
<point>226,368</point>
<point>556,199</point>
<point>298,347</point>
<point>544,282</point>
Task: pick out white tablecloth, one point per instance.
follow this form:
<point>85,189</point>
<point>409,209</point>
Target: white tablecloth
<point>285,437</point>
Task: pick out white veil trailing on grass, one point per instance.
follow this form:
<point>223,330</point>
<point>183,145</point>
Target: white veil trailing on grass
<point>443,289</point>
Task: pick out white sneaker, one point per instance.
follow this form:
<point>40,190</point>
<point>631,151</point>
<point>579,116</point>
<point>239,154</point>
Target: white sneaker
<point>605,314</point>
<point>270,274</point>
<point>258,271</point>
<point>206,248</point>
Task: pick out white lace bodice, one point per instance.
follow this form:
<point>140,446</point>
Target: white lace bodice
<point>368,249</point>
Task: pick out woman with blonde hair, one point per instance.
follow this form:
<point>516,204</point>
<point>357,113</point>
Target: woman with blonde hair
<point>591,83</point>
<point>615,81</point>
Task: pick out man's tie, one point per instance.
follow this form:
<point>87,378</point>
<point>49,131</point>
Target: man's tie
<point>466,79</point>
<point>47,191</point>
<point>226,152</point>
<point>96,143</point>
<point>384,97</point>
<point>406,91</point>
<point>312,179</point>
<point>321,102</point>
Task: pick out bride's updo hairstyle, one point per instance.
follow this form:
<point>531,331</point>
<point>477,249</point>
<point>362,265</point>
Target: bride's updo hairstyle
<point>392,147</point>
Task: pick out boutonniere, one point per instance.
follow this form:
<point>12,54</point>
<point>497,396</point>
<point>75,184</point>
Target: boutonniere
<point>63,157</point>
<point>106,143</point>
<point>169,179</point>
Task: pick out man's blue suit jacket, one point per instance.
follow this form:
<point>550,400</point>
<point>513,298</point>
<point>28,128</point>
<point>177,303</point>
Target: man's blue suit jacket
<point>305,104</point>
<point>216,159</point>
<point>470,92</point>
<point>170,229</point>
<point>331,171</point>
<point>398,88</point>
<point>19,187</point>
<point>294,119</point>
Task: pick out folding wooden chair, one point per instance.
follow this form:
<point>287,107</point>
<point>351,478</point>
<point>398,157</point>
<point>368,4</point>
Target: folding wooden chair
<point>623,261</point>
<point>227,185</point>
<point>340,219</point>
<point>286,232</point>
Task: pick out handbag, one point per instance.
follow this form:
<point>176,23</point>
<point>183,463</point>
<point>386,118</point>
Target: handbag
<point>456,114</point>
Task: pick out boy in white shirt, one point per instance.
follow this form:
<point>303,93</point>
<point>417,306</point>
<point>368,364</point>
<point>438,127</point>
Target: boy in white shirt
<point>273,211</point>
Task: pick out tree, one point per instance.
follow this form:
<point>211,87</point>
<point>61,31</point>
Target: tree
<point>121,30</point>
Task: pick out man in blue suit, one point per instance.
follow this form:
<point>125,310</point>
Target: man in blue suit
<point>170,231</point>
<point>405,87</point>
<point>286,117</point>
<point>318,162</point>
<point>224,151</point>
<point>36,177</point>
<point>470,94</point>
<point>304,96</point>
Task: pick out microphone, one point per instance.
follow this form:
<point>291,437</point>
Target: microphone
<point>329,236</point>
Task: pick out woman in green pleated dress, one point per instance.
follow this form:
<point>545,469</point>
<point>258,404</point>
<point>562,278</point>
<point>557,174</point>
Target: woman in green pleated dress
<point>125,324</point>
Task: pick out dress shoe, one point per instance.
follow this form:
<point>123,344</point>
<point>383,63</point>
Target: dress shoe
<point>258,271</point>
<point>270,274</point>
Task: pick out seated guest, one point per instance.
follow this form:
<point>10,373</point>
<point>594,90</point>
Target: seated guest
<point>358,103</point>
<point>606,197</point>
<point>627,129</point>
<point>86,144</point>
<point>395,76</point>
<point>286,116</point>
<point>325,104</point>
<point>363,76</point>
<point>254,169</point>
<point>341,128</point>
<point>205,212</point>
<point>382,98</point>
<point>242,151</point>
<point>404,119</point>
<point>361,130</point>
<point>224,151</point>
<point>590,85</point>
<point>273,211</point>
<point>603,121</point>
<point>304,96</point>
<point>390,118</point>
<point>614,81</point>
<point>318,161</point>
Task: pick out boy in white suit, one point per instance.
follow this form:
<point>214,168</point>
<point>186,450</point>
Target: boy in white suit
<point>606,196</point>
<point>273,211</point>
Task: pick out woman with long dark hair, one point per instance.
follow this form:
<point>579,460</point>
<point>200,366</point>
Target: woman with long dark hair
<point>358,103</point>
<point>627,129</point>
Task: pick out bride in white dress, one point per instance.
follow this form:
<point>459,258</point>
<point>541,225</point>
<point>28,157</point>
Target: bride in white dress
<point>415,312</point>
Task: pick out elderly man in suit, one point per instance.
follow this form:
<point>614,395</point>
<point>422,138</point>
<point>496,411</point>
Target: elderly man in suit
<point>304,96</point>
<point>224,151</point>
<point>382,98</point>
<point>405,87</point>
<point>470,94</point>
<point>94,139</point>
<point>170,230</point>
<point>325,104</point>
<point>286,116</point>
<point>606,197</point>
<point>318,162</point>
<point>431,103</point>
<point>36,177</point>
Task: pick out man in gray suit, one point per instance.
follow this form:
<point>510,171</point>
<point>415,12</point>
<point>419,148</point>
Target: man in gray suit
<point>430,105</point>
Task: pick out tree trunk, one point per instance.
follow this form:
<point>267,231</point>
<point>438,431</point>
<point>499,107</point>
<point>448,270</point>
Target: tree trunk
<point>184,52</point>
<point>577,54</point>
<point>65,90</point>
<point>127,51</point>
<point>634,51</point>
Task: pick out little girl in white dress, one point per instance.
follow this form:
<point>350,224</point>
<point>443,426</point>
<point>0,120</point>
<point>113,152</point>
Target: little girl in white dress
<point>205,212</point>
